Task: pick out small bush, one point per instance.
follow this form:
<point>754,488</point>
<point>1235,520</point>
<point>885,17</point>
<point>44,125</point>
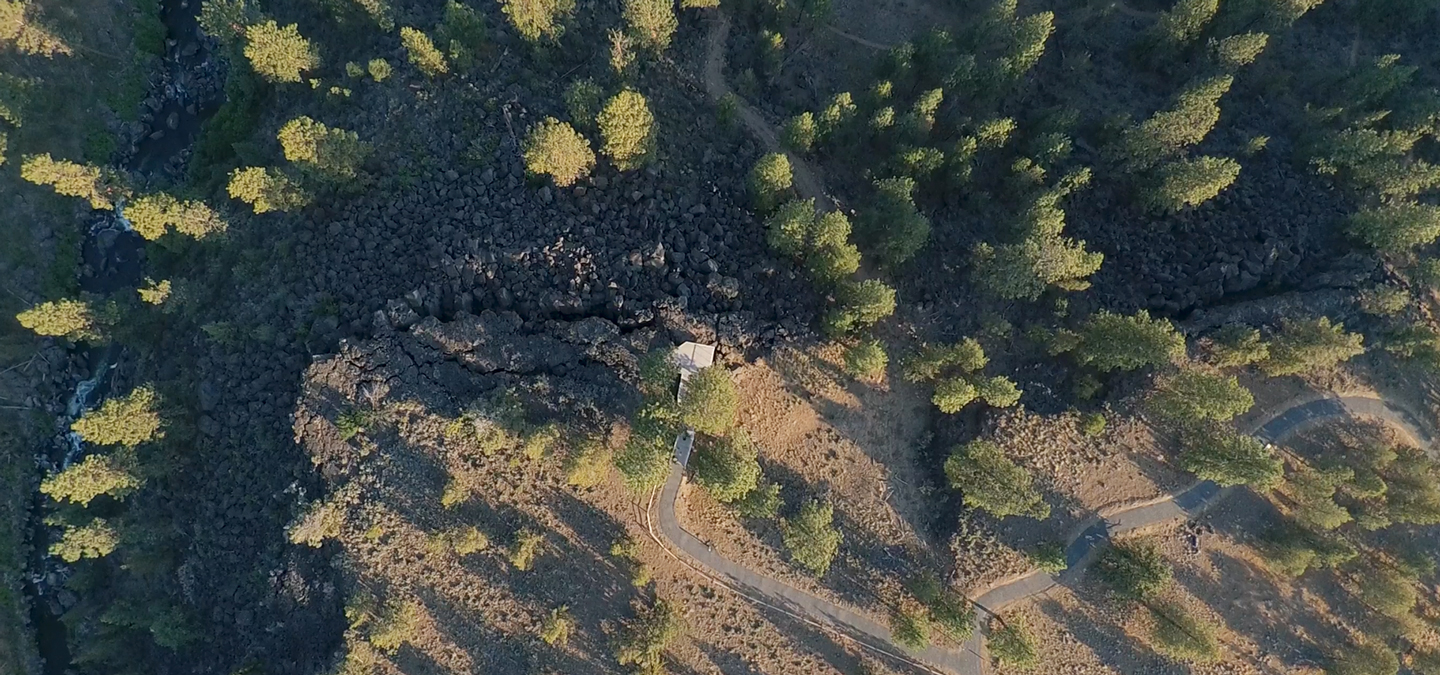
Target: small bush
<point>526,546</point>
<point>1012,645</point>
<point>462,33</point>
<point>379,69</point>
<point>396,625</point>
<point>587,465</point>
<point>555,149</point>
<point>583,99</point>
<point>555,629</point>
<point>322,519</point>
<point>811,537</point>
<point>1050,558</point>
<point>1384,300</point>
<point>626,127</point>
<point>461,541</point>
<point>279,54</point>
<point>1181,635</point>
<point>866,360</point>
<point>762,503</point>
<point>770,181</point>
<point>422,53</point>
<point>1093,424</point>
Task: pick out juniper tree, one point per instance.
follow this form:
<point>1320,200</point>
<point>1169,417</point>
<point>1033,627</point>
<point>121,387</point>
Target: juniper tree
<point>1305,346</point>
<point>266,190</point>
<point>651,22</point>
<point>811,537</point>
<point>1230,458</point>
<point>769,181</point>
<point>991,482</point>
<point>127,420</point>
<point>1188,183</point>
<point>910,629</point>
<point>100,186</point>
<point>14,98</point>
<point>538,19</point>
<point>727,467</point>
<point>421,52</point>
<point>1192,394</point>
<point>1111,341</point>
<point>279,54</point>
<point>1012,645</point>
<point>114,474</point>
<point>626,125</point>
<point>555,149</point>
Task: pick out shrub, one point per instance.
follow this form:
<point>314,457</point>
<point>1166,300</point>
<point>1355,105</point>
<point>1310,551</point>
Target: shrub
<point>861,304</point>
<point>651,22</point>
<point>155,292</point>
<point>658,373</point>
<point>322,519</point>
<point>127,420</point>
<point>96,475</point>
<point>95,539</point>
<point>1115,342</point>
<point>799,132</point>
<point>555,629</point>
<point>1230,458</point>
<point>1306,346</point>
<point>1184,22</point>
<point>711,401</point>
<point>866,360</point>
<point>643,642</point>
<point>422,53</point>
<point>1167,132</point>
<point>763,502</point>
<point>626,126</point>
<point>395,626</point>
<point>462,541</point>
<point>379,69</point>
<point>585,467</point>
<point>554,148</point>
<point>1191,182</point>
<point>462,33</point>
<point>1050,557</point>
<point>910,629</point>
<point>1191,395</point>
<point>266,190</point>
<point>1093,424</point>
<point>1241,50</point>
<point>153,215</point>
<point>524,548</point>
<point>1134,570</point>
<point>727,467</point>
<point>537,19</point>
<point>769,181</point>
<point>811,537</point>
<point>1396,228</point>
<point>1182,636</point>
<point>893,224</point>
<point>1237,345</point>
<point>279,54</point>
<point>100,186</point>
<point>74,320</point>
<point>1012,644</point>
<point>335,154</point>
<point>582,100</point>
<point>989,481</point>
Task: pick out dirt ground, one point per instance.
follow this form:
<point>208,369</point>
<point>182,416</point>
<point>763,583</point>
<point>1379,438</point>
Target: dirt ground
<point>823,435</point>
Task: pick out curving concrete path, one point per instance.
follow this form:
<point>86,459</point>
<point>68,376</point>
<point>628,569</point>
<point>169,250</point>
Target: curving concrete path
<point>969,659</point>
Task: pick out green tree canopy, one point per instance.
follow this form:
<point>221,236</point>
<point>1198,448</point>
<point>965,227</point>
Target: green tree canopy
<point>74,320</point>
<point>421,51</point>
<point>279,54</point>
<point>770,181</point>
<point>893,225</point>
<point>153,215</point>
<point>1134,569</point>
<point>811,537</point>
<point>95,539</point>
<point>100,186</point>
<point>1187,183</point>
<point>642,643</point>
<point>1187,122</point>
<point>1111,341</point>
<point>988,480</point>
<point>727,467</point>
<point>1184,22</point>
<point>1396,227</point>
<point>711,401</point>
<point>1230,458</point>
<point>1369,657</point>
<point>1194,394</point>
<point>114,475</point>
<point>555,149</point>
<point>1179,634</point>
<point>126,420</point>
<point>910,629</point>
<point>651,22</point>
<point>333,153</point>
<point>266,190</point>
<point>538,19</point>
<point>1306,346</point>
<point>626,127</point>
<point>1012,644</point>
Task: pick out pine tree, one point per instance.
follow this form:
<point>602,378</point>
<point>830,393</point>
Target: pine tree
<point>113,474</point>
<point>711,401</point>
<point>1184,22</point>
<point>811,537</point>
<point>1180,635</point>
<point>1168,132</point>
<point>893,224</point>
<point>1238,51</point>
<point>1230,458</point>
<point>1111,341</point>
<point>279,54</point>
<point>642,643</point>
<point>95,539</point>
<point>74,320</point>
<point>770,181</point>
<point>554,148</point>
<point>266,190</point>
<point>990,481</point>
<point>651,22</point>
<point>333,153</point>
<point>727,467</point>
<point>1397,227</point>
<point>626,125</point>
<point>538,19</point>
<point>422,52</point>
<point>861,304</point>
<point>127,420</point>
<point>153,215</point>
<point>1135,570</point>
<point>1192,395</point>
<point>1188,183</point>
<point>100,186</point>
<point>1305,346</point>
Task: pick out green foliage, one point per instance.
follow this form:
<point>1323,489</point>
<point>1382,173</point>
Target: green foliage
<point>1312,493</point>
<point>1383,300</point>
<point>910,629</point>
<point>861,304</point>
<point>1306,346</point>
<point>335,154</point>
<point>1026,44</point>
<point>582,100</point>
<point>266,190</point>
<point>153,215</point>
<point>622,52</point>
<point>1238,51</point>
<point>1376,161</point>
<point>14,98</point>
<point>1230,458</point>
<point>95,539</point>
<point>838,114</point>
<point>651,22</point>
<point>100,186</point>
<point>1291,551</point>
<point>931,360</point>
<point>1012,645</point>
<point>353,421</point>
<point>950,612</point>
<point>800,132</point>
<point>1188,183</point>
<point>811,537</point>
<point>322,519</point>
<point>114,475</point>
<point>535,20</point>
<point>1370,657</point>
<point>461,540</point>
<point>893,225</point>
<point>626,127</point>
<point>462,33</point>
<point>1168,132</point>
<point>659,373</point>
<point>1181,635</point>
<point>155,292</point>
<point>279,54</point>
<point>1111,341</point>
<point>396,625</point>
<point>421,52</point>
<point>988,480</point>
<point>1025,270</point>
<point>954,393</point>
<point>711,401</point>
<point>524,548</point>
<point>1396,227</point>
<point>556,628</point>
<point>127,420</point>
<point>1388,591</point>
<point>821,241</point>
<point>761,503</point>
<point>643,642</point>
<point>555,149</point>
<point>770,181</point>
<point>1135,569</point>
<point>74,320</point>
<point>922,114</point>
<point>645,461</point>
<point>379,69</point>
<point>1093,424</point>
<point>1049,558</point>
<point>727,467</point>
<point>1192,395</point>
<point>226,20</point>
<point>1237,345</point>
<point>866,360</point>
<point>587,464</point>
<point>1184,22</point>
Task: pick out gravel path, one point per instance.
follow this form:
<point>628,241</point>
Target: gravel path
<point>969,658</point>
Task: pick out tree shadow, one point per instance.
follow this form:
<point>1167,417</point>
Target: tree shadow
<point>1106,639</point>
